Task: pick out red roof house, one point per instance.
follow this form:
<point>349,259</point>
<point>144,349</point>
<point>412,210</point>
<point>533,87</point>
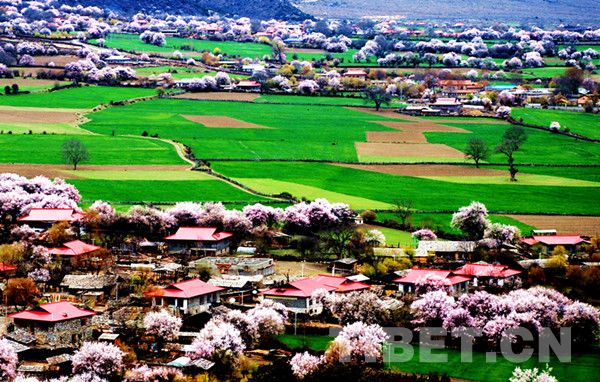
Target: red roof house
<point>489,272</point>
<point>74,248</point>
<point>408,282</point>
<point>296,295</point>
<point>192,296</point>
<point>7,268</point>
<point>57,324</point>
<point>50,216</point>
<point>204,239</point>
<point>570,242</point>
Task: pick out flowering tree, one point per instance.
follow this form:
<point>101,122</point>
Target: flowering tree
<point>358,343</point>
<point>185,213</point>
<point>263,215</point>
<point>431,282</point>
<point>304,363</point>
<point>532,375</point>
<point>163,325</point>
<point>472,220</point>
<point>269,319</point>
<point>363,306</point>
<point>498,234</point>
<point>432,308</point>
<point>308,87</point>
<point>218,341</point>
<point>424,234</point>
<point>584,321</point>
<point>458,321</point>
<point>154,374</point>
<point>8,361</point>
<point>102,360</point>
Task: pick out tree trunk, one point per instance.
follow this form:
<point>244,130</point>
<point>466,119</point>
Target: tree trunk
<point>75,166</point>
<point>377,106</point>
<point>476,163</point>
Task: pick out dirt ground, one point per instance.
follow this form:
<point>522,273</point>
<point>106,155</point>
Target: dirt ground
<point>222,122</point>
<point>26,82</point>
<point>425,150</point>
<point>399,137</point>
<point>220,96</point>
<point>30,116</point>
<point>425,170</point>
<point>422,126</point>
<point>59,61</point>
<point>294,268</point>
<point>53,171</point>
<point>575,225</point>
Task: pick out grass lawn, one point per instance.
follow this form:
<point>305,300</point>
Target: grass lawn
<point>583,367</point>
<point>41,128</point>
<point>395,237</point>
<point>160,191</point>
<point>586,124</point>
<point>316,100</point>
<point>30,85</point>
<point>103,150</point>
<point>427,195</point>
<point>545,72</point>
<point>305,341</point>
<point>85,97</point>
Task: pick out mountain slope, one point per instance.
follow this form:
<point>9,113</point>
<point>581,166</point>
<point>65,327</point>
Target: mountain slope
<point>258,9</point>
<point>538,11</point>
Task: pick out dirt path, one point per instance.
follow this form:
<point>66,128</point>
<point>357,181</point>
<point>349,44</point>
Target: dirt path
<point>573,225</point>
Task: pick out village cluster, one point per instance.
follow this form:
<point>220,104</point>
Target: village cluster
<point>191,289</point>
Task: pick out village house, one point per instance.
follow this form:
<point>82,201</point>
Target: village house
<point>572,243</point>
<point>247,85</point>
<point>7,270</point>
<point>297,295</point>
<point>356,73</point>
<point>449,250</point>
<point>239,266</point>
<point>187,297</point>
<point>44,218</point>
<point>92,289</point>
<point>58,324</point>
<point>199,240</point>
<point>484,273</point>
<point>408,282</point>
<point>343,267</point>
<point>75,253</point>
<point>460,88</point>
<point>447,105</point>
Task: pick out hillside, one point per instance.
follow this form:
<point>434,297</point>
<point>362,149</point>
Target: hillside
<point>538,11</point>
<point>259,9</point>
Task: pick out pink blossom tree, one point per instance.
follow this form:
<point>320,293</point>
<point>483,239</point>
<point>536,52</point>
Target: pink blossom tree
<point>358,343</point>
<point>432,308</point>
<point>263,215</point>
<point>218,341</point>
<point>424,234</point>
<point>8,361</point>
<point>163,325</point>
<point>471,220</point>
<point>584,321</point>
<point>145,373</point>
<point>305,363</point>
<point>102,360</point>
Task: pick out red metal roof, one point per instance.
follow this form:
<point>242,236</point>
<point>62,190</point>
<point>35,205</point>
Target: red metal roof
<point>53,312</point>
<point>74,248</point>
<point>555,240</point>
<point>185,289</point>
<point>51,215</point>
<point>486,270</point>
<point>416,274</point>
<point>247,83</point>
<point>305,287</point>
<point>7,267</point>
<point>198,234</point>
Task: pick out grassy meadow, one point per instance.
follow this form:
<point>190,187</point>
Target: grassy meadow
<point>586,124</point>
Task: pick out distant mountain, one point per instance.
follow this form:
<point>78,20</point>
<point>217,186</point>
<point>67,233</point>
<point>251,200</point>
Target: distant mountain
<point>256,9</point>
<point>534,11</point>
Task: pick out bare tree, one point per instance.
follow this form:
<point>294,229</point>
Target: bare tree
<point>74,152</point>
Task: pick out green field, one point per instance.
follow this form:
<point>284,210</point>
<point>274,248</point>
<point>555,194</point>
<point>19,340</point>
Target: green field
<point>46,149</point>
<point>296,131</point>
<point>585,124</point>
<point>427,195</point>
<point>85,97</point>
<point>28,85</point>
<point>318,100</point>
<point>582,367</point>
<point>179,72</point>
<point>132,42</point>
<point>160,191</point>
<point>306,341</point>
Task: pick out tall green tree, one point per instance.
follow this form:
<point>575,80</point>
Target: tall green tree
<point>74,152</point>
<point>376,95</point>
<point>477,150</point>
<point>511,142</point>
